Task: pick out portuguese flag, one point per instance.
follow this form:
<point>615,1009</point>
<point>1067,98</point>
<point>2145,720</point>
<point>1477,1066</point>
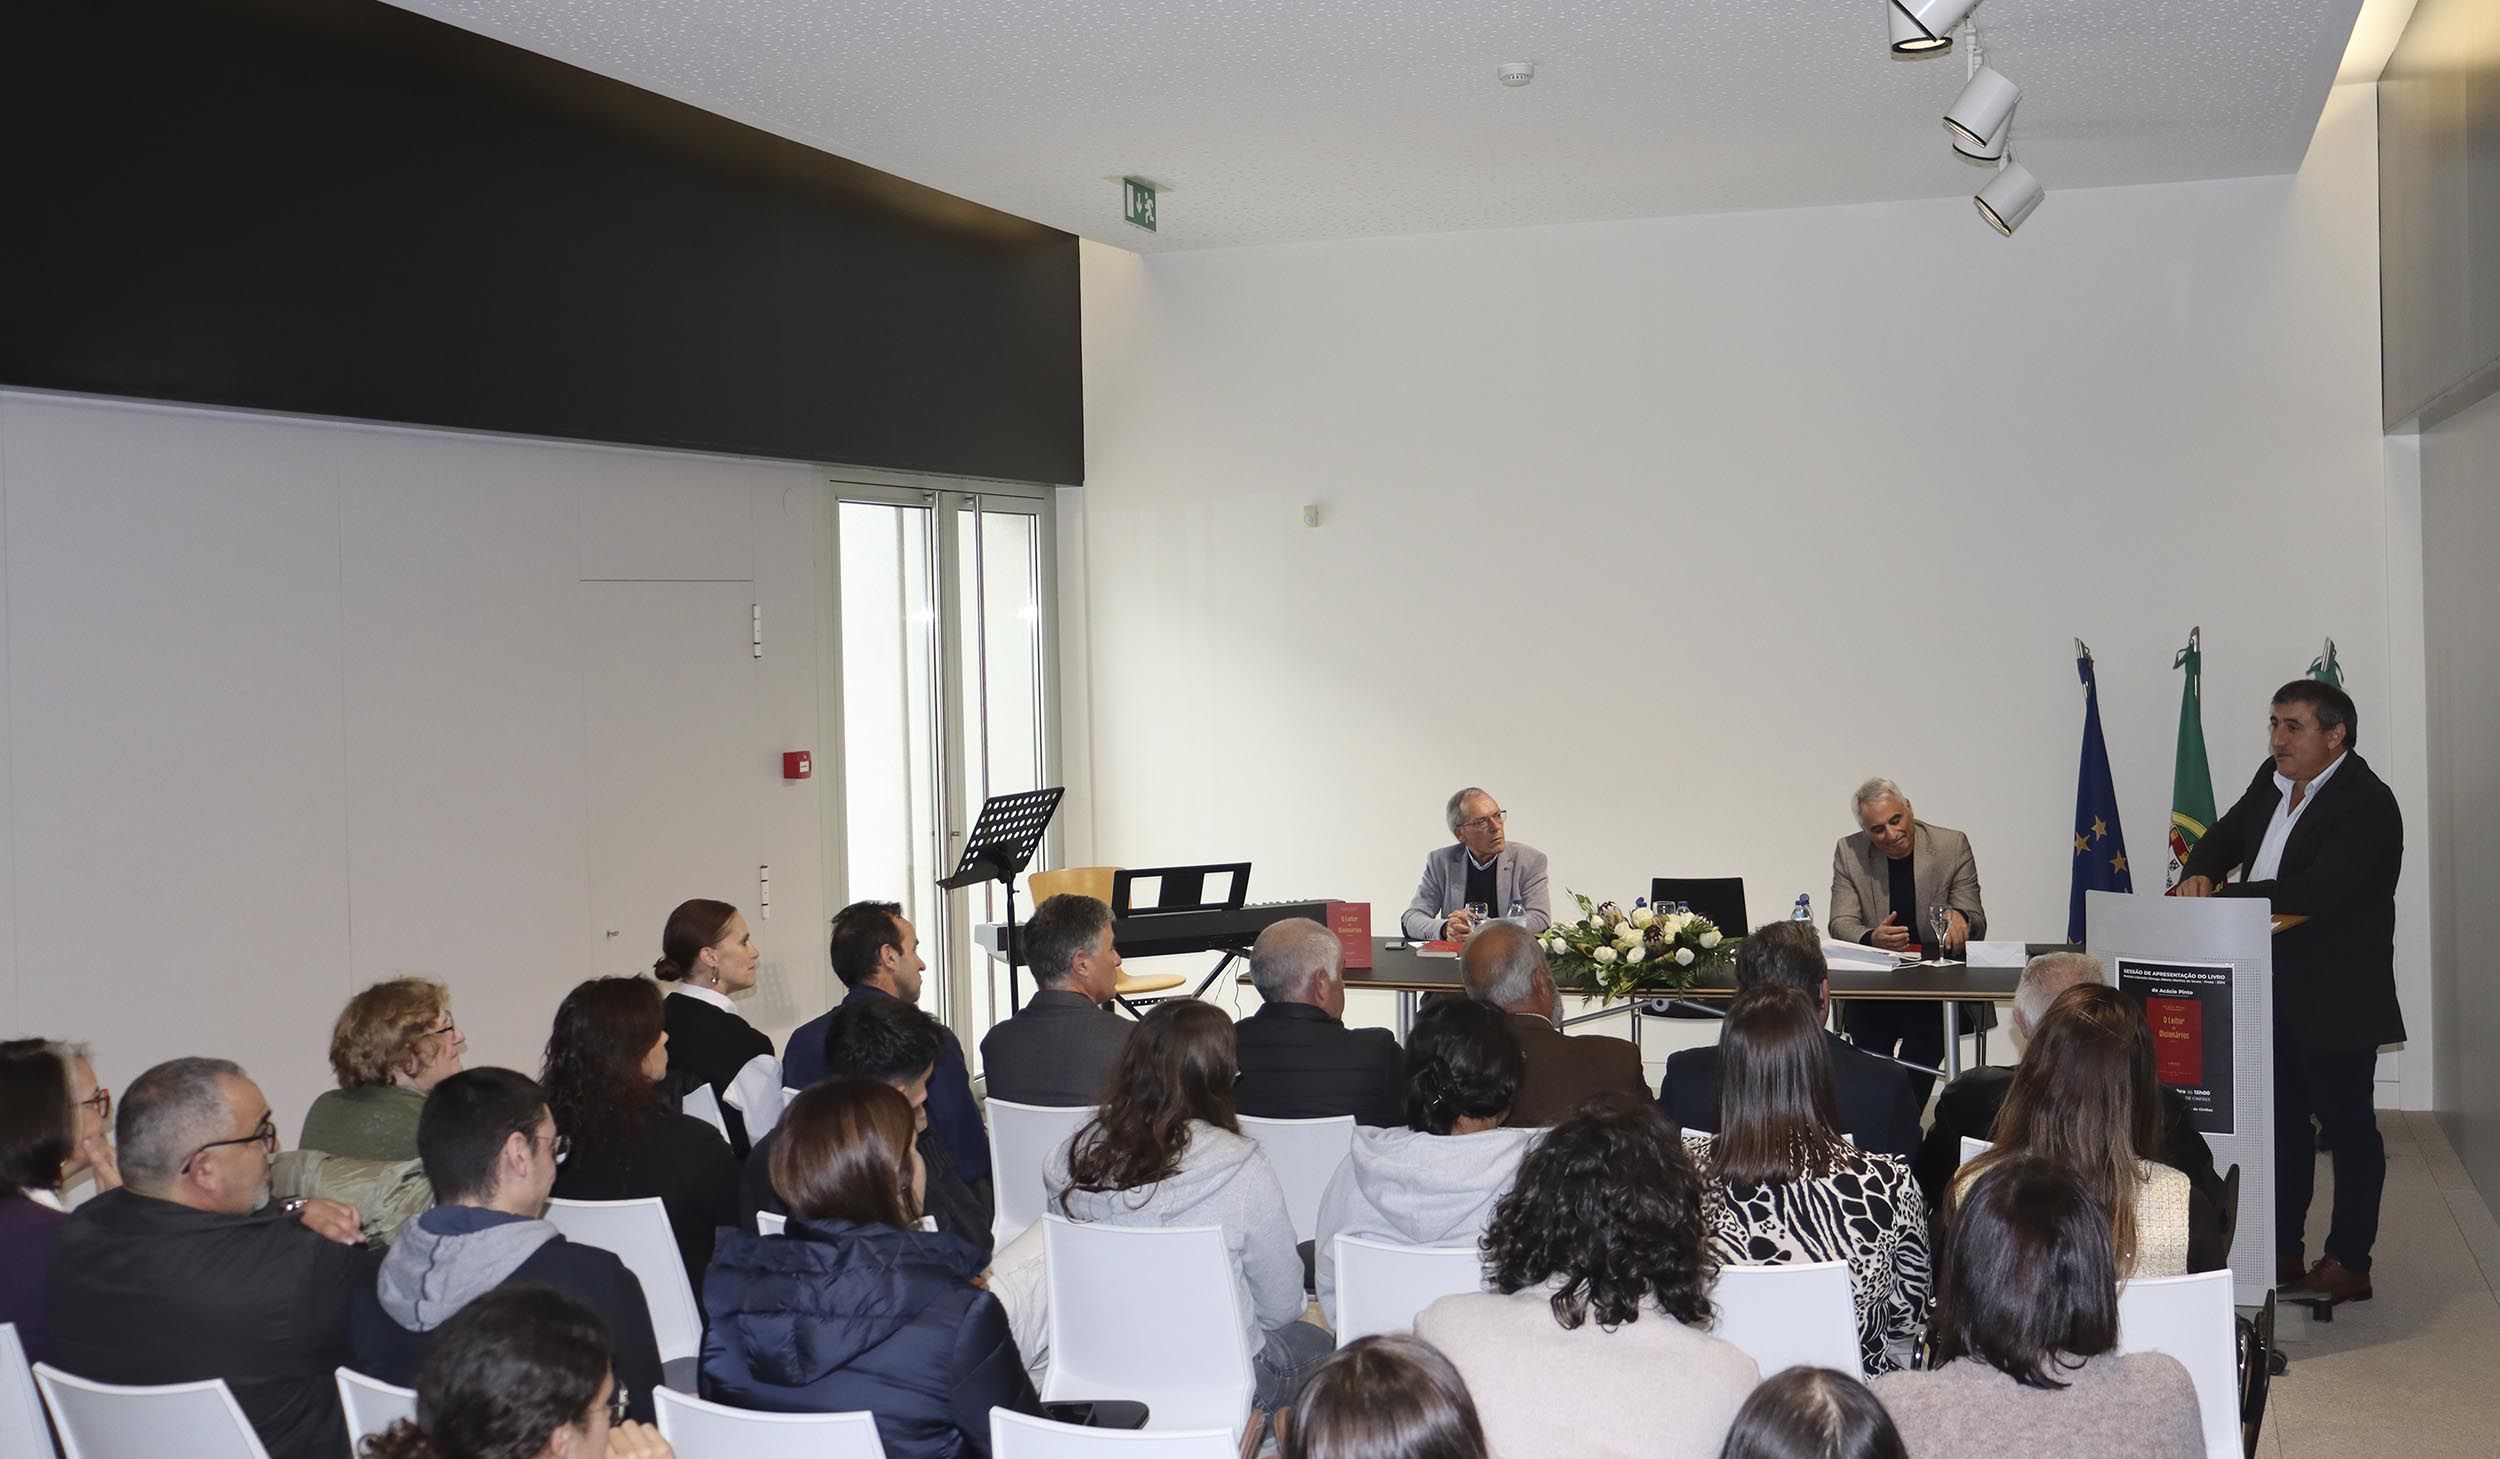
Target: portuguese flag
<point>2192,782</point>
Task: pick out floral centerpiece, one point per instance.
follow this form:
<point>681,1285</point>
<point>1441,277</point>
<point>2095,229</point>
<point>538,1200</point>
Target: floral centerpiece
<point>1612,952</point>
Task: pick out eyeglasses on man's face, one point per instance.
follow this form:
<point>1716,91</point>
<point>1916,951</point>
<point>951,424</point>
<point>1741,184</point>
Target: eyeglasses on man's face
<point>264,1134</point>
<point>101,1102</point>
<point>1482,824</point>
<point>617,1404</point>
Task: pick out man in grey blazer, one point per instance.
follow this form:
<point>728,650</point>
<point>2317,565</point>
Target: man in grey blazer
<point>1057,1048</point>
<point>1884,881</point>
<point>1482,865</point>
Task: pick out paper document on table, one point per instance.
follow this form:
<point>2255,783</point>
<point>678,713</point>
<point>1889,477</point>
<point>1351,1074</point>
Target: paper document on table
<point>1857,957</point>
<point>1996,954</point>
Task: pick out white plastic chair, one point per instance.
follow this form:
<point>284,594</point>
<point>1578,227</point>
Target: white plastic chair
<point>1382,1285</point>
<point>1973,1148</point>
<point>700,1430</point>
<point>114,1421</point>
<point>1021,1139</point>
<point>1792,1315</point>
<point>704,1105</point>
<point>638,1232</point>
<point>788,1093</point>
<point>372,1405</point>
<point>770,1223</point>
<point>1149,1313</point>
<point>1306,1154</point>
<point>1017,1436</point>
<point>2191,1319</point>
<point>22,1429</point>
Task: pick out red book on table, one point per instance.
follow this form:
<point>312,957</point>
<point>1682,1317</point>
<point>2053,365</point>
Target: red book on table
<point>1352,922</point>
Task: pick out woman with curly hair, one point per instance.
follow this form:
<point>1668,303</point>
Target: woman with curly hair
<point>1164,1149</point>
<point>520,1373</point>
<point>1787,1186</point>
<point>606,1060</point>
<point>392,1044</point>
<point>1591,1340</point>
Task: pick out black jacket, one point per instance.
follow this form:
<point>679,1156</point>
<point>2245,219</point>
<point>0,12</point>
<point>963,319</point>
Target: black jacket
<point>1879,1100</point>
<point>960,1208</point>
<point>148,1291</point>
<point>1969,1105</point>
<point>710,1047</point>
<point>1297,1063</point>
<point>1055,1051</point>
<point>2334,975</point>
<point>837,1317</point>
<point>684,1162</point>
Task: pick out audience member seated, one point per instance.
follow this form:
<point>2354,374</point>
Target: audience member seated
<point>706,955</point>
<point>2084,1099</point>
<point>1591,1339</point>
<point>1434,1182</point>
<point>491,1150</point>
<point>1059,1047</point>
<point>1383,1397</point>
<point>393,1042</point>
<point>607,1063</point>
<point>1505,967</point>
<point>894,1043</point>
<point>52,1115</point>
<point>1298,1059</point>
<point>1165,1150</point>
<point>876,953</point>
<point>1877,1100</point>
<point>520,1373</point>
<point>1968,1106</point>
<point>855,1307</point>
<point>187,1272</point>
<point>1786,1187</point>
<point>2024,1335</point>
<point>1813,1413</point>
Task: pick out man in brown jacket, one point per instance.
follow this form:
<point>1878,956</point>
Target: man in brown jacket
<point>1506,968</point>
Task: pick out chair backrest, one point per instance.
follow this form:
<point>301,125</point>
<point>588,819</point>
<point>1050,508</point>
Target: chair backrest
<point>1306,1154</point>
<point>705,1106</point>
<point>1381,1285</point>
<point>2191,1319</point>
<point>1719,898</point>
<point>697,1429</point>
<point>789,1093</point>
<point>1973,1148</point>
<point>22,1429</point>
<point>2230,1212</point>
<point>638,1232</point>
<point>770,1223</point>
<point>372,1405</point>
<point>1791,1315</point>
<point>1016,1436</point>
<point>1149,1313</point>
<point>1084,881</point>
<point>1021,1139</point>
<point>111,1421</point>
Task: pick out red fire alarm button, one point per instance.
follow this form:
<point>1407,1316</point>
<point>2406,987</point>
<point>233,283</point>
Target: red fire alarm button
<point>797,765</point>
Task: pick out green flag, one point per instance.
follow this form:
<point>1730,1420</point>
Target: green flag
<point>2324,667</point>
<point>2192,782</point>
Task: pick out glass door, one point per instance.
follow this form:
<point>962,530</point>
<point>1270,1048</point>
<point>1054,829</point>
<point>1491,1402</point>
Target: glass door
<point>998,561</point>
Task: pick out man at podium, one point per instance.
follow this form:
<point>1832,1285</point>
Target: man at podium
<point>1483,868</point>
<point>2318,835</point>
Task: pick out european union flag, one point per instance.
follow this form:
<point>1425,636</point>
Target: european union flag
<point>2100,847</point>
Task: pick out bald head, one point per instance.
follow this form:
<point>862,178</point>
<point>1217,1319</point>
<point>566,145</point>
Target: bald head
<point>1505,967</point>
<point>1300,961</point>
<point>2046,976</point>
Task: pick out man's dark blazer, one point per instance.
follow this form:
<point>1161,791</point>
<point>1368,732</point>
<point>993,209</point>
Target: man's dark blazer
<point>1969,1105</point>
<point>1297,1063</point>
<point>1566,1069</point>
<point>1055,1051</point>
<point>2334,975</point>
<point>1879,1100</point>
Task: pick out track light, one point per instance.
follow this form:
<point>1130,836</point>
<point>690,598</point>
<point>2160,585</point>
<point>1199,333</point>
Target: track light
<point>2009,198</point>
<point>1932,21</point>
<point>1909,38</point>
<point>1978,119</point>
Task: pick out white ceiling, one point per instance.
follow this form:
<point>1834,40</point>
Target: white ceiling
<point>1271,121</point>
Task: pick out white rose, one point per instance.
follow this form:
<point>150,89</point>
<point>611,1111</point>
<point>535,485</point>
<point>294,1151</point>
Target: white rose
<point>1642,916</point>
<point>1604,954</point>
<point>1679,921</point>
<point>1636,955</point>
<point>1711,939</point>
<point>1556,945</point>
<point>1629,937</point>
<point>1684,957</point>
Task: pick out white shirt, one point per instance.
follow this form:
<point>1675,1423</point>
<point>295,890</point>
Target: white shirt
<point>2267,864</point>
<point>756,1092</point>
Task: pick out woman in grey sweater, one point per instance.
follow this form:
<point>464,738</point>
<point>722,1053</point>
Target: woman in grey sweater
<point>2025,1337</point>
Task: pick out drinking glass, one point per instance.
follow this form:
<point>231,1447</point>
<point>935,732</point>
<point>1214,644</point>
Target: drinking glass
<point>1477,913</point>
<point>1940,918</point>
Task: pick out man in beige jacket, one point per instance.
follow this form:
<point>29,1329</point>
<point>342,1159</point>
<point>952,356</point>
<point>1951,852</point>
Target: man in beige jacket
<point>1886,880</point>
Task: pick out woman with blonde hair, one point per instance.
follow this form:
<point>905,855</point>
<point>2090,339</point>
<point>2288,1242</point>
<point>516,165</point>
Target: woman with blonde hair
<point>393,1042</point>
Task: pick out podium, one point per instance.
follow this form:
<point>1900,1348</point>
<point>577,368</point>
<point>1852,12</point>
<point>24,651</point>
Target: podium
<point>2206,968</point>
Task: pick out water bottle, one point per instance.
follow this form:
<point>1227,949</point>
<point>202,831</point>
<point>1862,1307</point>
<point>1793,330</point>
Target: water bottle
<point>1805,909</point>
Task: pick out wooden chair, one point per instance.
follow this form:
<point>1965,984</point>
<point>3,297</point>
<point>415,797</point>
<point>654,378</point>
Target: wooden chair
<point>1095,882</point>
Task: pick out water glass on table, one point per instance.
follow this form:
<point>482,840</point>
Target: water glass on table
<point>1941,919</point>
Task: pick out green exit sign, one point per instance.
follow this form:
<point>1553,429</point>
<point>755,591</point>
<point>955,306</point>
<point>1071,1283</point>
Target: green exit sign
<point>1138,202</point>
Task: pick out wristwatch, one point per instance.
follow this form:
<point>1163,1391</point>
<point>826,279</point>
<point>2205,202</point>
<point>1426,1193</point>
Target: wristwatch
<point>294,1205</point>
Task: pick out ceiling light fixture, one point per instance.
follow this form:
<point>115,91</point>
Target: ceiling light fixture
<point>2009,197</point>
<point>1980,117</point>
<point>1909,38</point>
<point>1930,22</point>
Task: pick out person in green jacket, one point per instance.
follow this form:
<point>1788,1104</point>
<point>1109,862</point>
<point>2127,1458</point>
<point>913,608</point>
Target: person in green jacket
<point>394,1042</point>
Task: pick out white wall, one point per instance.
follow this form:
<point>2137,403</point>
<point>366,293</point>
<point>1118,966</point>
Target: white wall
<point>293,706</point>
<point>1671,532</point>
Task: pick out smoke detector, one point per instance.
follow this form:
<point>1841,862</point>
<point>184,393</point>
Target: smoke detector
<point>1516,73</point>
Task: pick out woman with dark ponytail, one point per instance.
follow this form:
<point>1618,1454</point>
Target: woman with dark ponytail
<point>1433,1183</point>
<point>519,1373</point>
<point>706,955</point>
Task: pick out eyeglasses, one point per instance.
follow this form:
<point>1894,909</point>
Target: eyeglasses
<point>101,1102</point>
<point>264,1134</point>
<point>618,1404</point>
<point>1484,823</point>
<point>563,1145</point>
<point>449,1028</point>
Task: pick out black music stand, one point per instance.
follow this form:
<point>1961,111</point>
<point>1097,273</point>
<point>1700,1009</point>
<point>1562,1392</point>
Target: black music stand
<point>1002,844</point>
<point>1184,889</point>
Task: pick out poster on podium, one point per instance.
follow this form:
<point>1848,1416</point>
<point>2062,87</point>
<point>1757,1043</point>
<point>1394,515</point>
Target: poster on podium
<point>2188,1005</point>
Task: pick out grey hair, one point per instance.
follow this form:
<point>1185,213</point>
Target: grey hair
<point>1874,790</point>
<point>1501,964</point>
<point>1458,802</point>
<point>2046,976</point>
<point>1290,956</point>
<point>169,1112</point>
